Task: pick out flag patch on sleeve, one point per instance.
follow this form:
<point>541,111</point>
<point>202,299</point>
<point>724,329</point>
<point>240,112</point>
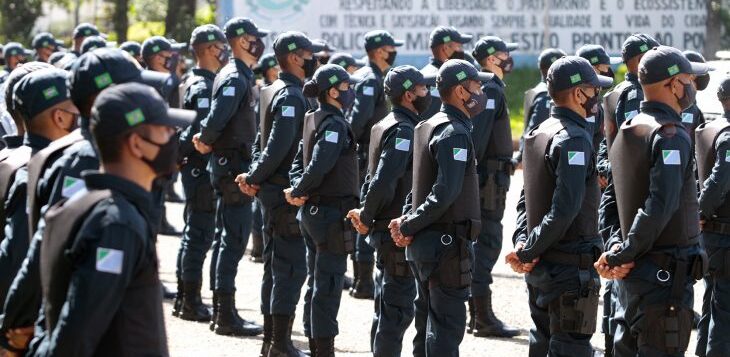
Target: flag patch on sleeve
<point>632,94</point>
<point>402,144</point>
<point>671,157</point>
<point>727,156</point>
<point>631,114</point>
<point>490,104</point>
<point>591,119</point>
<point>435,93</point>
<point>577,158</point>
<point>71,186</point>
<point>368,91</point>
<point>331,136</point>
<point>688,118</point>
<point>109,260</point>
<point>229,91</point>
<point>203,103</point>
<point>460,154</point>
<point>287,111</point>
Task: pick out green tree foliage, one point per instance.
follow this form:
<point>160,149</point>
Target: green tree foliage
<point>17,18</point>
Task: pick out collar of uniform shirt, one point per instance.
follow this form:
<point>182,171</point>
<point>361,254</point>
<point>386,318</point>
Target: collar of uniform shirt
<point>454,112</point>
<point>202,72</point>
<point>288,77</point>
<point>568,114</point>
<point>414,117</point>
<point>633,78</point>
<point>435,62</point>
<point>497,80</point>
<point>13,141</point>
<point>243,68</point>
<point>36,142</point>
<point>726,116</point>
<point>330,108</point>
<point>137,195</point>
<point>660,108</point>
<point>376,69</point>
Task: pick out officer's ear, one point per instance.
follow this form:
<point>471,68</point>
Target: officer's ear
<point>333,92</point>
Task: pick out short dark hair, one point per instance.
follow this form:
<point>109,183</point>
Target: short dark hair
<point>447,92</point>
<point>110,146</point>
<point>397,99</point>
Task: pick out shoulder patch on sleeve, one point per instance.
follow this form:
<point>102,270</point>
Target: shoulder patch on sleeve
<point>631,114</point>
<point>368,90</point>
<point>547,103</point>
<point>203,103</point>
<point>460,154</point>
<point>688,118</point>
<point>490,104</point>
<point>727,156</point>
<point>229,91</point>
<point>331,136</point>
<point>402,144</point>
<point>671,157</point>
<point>591,119</point>
<point>71,186</point>
<point>576,158</point>
<point>287,111</point>
<point>435,93</point>
<point>109,260</point>
<point>632,94</point>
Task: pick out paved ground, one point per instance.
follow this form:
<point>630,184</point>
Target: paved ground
<point>194,339</point>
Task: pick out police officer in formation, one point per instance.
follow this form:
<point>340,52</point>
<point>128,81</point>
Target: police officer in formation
<point>370,106</point>
<point>347,61</point>
<point>134,49</point>
<point>45,45</point>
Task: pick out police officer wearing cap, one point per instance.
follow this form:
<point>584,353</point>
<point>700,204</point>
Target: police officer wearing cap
<point>324,184</point>
<point>229,132</point>
<point>390,175</point>
<point>713,155</point>
<point>134,48</point>
<point>347,61</point>
<point>209,45</point>
<point>268,68</point>
<point>693,117</point>
<point>442,216</point>
<point>91,43</point>
<point>323,56</point>
<point>537,102</point>
<point>446,43</point>
<point>80,33</point>
<point>369,108</point>
<point>562,220</point>
<point>14,54</point>
<point>282,109</point>
<point>492,138</point>
<point>100,271</point>
<point>44,45</point>
<point>658,257</point>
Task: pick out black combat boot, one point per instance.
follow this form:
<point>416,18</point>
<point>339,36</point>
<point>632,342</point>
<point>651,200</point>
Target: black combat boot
<point>355,276</point>
<point>227,320</point>
<point>486,324</point>
<point>472,320</point>
<point>193,308</point>
<point>215,311</point>
<point>177,304</point>
<point>257,248</point>
<point>312,347</point>
<point>364,288</point>
<point>281,345</point>
<point>266,342</point>
<point>325,347</point>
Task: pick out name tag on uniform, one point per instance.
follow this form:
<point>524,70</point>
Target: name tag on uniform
<point>632,94</point>
<point>71,186</point>
<point>671,157</point>
<point>109,260</point>
<point>577,158</point>
<point>435,93</point>
<point>287,111</point>
<point>402,144</point>
<point>460,154</point>
<point>368,91</point>
<point>229,91</point>
<point>331,136</point>
<point>591,119</point>
<point>631,114</point>
<point>490,104</point>
<point>688,118</point>
<point>203,103</point>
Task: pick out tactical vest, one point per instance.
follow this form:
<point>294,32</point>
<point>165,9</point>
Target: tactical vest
<point>382,107</point>
<point>499,145</point>
<point>540,183</point>
<point>466,206</point>
<point>705,140</point>
<point>631,161</point>
<point>12,161</point>
<point>342,180</point>
<point>530,96</point>
<point>184,86</point>
<point>610,103</point>
<point>435,105</point>
<point>403,187</point>
<point>239,133</point>
<point>37,166</point>
<point>268,94</point>
<point>63,222</point>
<point>193,158</point>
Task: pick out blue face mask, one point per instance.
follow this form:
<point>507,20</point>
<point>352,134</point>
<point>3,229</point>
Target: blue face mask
<point>346,98</point>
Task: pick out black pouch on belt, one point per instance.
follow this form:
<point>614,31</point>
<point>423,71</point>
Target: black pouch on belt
<point>577,312</point>
<point>341,237</point>
<point>284,221</point>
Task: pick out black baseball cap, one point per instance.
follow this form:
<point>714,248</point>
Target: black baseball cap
<point>127,105</point>
<point>40,90</point>
<point>596,55</point>
<point>572,71</point>
<point>326,77</point>
<point>16,75</point>
<point>207,34</point>
<point>96,70</point>
<point>86,29</point>
<point>15,49</point>
<point>636,44</point>
<point>403,78</point>
<point>663,62</point>
<point>239,26</point>
<point>548,56</point>
<point>454,71</point>
<point>156,44</point>
<point>443,34</point>
<point>345,60</point>
<point>326,47</point>
<point>266,62</point>
<point>292,41</point>
<point>379,38</point>
<point>694,56</point>
<point>132,47</point>
<point>65,61</point>
<point>91,43</point>
<point>489,45</point>
<point>45,40</point>
<point>723,90</point>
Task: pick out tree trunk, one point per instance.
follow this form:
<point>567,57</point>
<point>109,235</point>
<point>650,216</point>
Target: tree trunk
<point>713,29</point>
<point>180,19</point>
<point>120,21</point>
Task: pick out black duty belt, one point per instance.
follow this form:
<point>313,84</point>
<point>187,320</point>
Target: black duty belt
<point>381,224</point>
<point>583,261</point>
<point>717,227</point>
<point>279,180</point>
<point>343,203</point>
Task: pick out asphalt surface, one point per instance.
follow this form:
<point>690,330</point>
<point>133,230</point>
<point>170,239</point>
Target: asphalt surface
<point>510,304</point>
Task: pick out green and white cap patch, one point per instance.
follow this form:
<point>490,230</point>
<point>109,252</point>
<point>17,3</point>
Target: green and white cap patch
<point>50,93</point>
<point>671,157</point>
<point>402,144</point>
<point>575,78</point>
<point>103,80</point>
<point>460,154</point>
<point>71,186</point>
<point>576,158</point>
<point>134,117</point>
<point>331,136</point>
<point>109,260</point>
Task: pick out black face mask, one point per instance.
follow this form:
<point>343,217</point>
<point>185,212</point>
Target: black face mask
<point>506,65</point>
<point>422,103</point>
<point>223,56</point>
<point>323,60</point>
<point>457,55</point>
<point>591,104</point>
<point>391,58</point>
<point>690,94</point>
<point>256,48</point>
<point>702,81</point>
<point>165,163</point>
<point>608,73</point>
<point>346,98</point>
<point>476,103</point>
<point>171,62</point>
<point>309,66</point>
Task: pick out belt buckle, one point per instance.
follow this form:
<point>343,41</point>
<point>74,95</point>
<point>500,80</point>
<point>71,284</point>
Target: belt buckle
<point>223,161</point>
<point>663,275</point>
<point>447,239</point>
<point>313,210</point>
<point>195,172</point>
